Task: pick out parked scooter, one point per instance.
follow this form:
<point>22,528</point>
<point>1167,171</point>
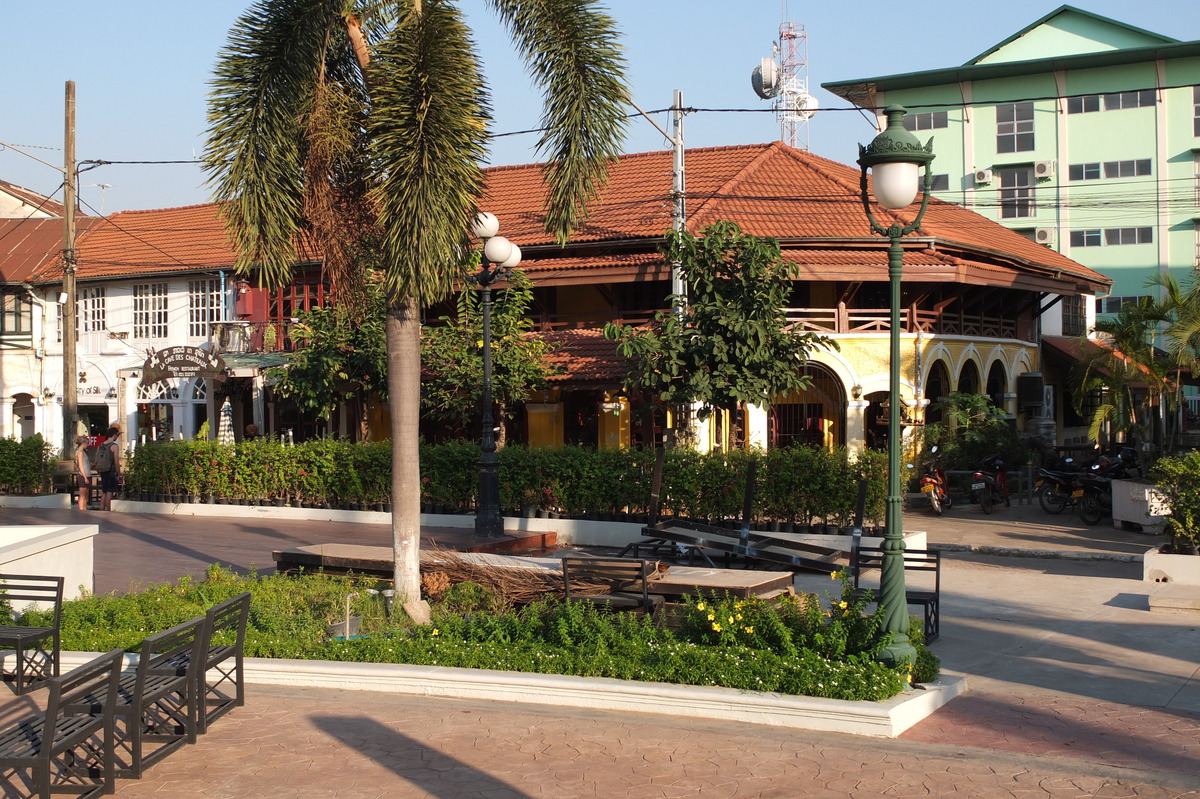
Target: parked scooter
<point>934,484</point>
<point>1055,487</point>
<point>989,484</point>
<point>1093,488</point>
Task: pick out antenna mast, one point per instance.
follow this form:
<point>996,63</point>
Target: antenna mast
<point>794,105</point>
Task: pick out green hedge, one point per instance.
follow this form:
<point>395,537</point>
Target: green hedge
<point>793,646</point>
<point>1178,478</point>
<point>800,485</point>
<point>26,467</point>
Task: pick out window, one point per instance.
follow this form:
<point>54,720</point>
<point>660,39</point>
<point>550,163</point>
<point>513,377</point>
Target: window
<point>91,310</point>
<point>1196,110</point>
<point>1112,236</point>
<point>205,306</point>
<point>1144,98</point>
<point>1083,104</point>
<point>150,310</point>
<point>16,316</point>
<point>1074,318</point>
<point>1016,192</point>
<point>1083,171</point>
<point>1127,169</point>
<point>1014,127</point>
<point>1129,235</point>
<point>936,182</point>
<point>1115,304</point>
<point>926,121</point>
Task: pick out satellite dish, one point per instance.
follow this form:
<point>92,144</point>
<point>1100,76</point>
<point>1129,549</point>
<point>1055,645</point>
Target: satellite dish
<point>765,79</point>
<point>806,105</point>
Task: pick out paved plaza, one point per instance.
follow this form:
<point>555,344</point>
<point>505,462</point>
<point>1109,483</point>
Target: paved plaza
<point>1075,689</point>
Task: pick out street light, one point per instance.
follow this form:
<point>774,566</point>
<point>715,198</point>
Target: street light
<point>499,254</point>
<point>895,157</point>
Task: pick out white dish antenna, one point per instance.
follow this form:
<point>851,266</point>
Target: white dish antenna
<point>765,79</point>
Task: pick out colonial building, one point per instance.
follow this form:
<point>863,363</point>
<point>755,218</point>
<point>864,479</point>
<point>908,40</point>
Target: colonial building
<point>974,295</point>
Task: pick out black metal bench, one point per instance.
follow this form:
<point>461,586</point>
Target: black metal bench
<point>157,702</point>
<point>35,648</point>
<point>222,658</point>
<point>623,583</point>
<point>915,560</point>
<point>66,750</point>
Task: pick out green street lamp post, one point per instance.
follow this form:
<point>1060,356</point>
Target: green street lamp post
<point>499,254</point>
<point>895,158</point>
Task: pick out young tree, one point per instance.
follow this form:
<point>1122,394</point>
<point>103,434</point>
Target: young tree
<point>453,356</point>
<point>730,341</point>
<point>336,118</point>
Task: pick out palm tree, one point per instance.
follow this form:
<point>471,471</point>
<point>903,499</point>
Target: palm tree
<point>343,122</point>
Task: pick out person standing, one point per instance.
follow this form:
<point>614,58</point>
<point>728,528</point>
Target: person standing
<point>83,471</point>
<point>108,463</point>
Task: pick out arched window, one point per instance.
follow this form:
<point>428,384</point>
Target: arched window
<point>816,415</point>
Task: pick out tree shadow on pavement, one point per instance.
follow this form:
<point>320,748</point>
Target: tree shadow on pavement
<point>434,772</point>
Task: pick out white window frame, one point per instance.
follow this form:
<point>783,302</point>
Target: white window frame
<point>1015,129</point>
<point>92,310</point>
<point>150,311</point>
<point>206,304</point>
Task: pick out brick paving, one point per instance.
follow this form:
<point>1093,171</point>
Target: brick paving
<point>1047,714</point>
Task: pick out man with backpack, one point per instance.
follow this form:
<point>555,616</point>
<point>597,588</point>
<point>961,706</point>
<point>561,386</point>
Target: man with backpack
<point>108,466</point>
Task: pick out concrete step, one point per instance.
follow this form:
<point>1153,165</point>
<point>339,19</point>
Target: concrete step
<point>1175,598</point>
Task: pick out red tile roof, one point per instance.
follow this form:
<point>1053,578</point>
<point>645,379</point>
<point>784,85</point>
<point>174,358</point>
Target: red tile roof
<point>41,202</point>
<point>28,246</point>
<point>585,357</point>
<point>810,203</point>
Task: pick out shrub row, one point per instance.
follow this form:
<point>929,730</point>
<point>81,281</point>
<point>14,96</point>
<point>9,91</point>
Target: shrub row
<point>801,485</point>
<point>25,466</point>
<point>794,647</point>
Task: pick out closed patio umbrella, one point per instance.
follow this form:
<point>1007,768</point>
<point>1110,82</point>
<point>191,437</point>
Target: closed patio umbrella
<point>225,427</point>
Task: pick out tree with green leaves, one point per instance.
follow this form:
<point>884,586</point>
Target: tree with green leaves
<point>453,356</point>
<point>728,342</point>
<point>339,353</point>
<point>332,122</point>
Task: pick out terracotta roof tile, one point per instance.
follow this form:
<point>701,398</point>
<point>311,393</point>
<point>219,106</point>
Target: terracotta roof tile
<point>41,202</point>
<point>585,356</point>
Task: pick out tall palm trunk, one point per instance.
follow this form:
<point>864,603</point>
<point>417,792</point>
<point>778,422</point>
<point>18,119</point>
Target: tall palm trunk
<point>404,398</point>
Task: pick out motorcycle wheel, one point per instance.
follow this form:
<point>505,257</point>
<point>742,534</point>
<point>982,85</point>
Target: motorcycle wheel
<point>985,503</point>
<point>1051,501</point>
<point>947,502</point>
<point>935,504</point>
<point>1090,510</point>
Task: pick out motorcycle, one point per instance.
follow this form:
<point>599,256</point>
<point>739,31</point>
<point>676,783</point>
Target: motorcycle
<point>1055,487</point>
<point>934,484</point>
<point>1093,488</point>
<point>989,484</point>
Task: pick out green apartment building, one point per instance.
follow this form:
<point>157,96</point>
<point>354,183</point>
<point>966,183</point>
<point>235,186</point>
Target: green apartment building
<point>1082,133</point>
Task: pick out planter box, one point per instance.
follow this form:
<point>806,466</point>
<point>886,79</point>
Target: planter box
<point>1139,502</point>
<point>1180,569</point>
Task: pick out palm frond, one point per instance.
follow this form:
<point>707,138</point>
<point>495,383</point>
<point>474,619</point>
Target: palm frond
<point>429,131</point>
<point>574,57</point>
<point>262,90</point>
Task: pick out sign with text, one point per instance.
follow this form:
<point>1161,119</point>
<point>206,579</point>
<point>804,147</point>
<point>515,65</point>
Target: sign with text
<point>182,362</point>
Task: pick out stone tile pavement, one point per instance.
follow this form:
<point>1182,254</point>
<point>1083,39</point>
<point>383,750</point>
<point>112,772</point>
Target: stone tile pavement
<point>1076,690</point>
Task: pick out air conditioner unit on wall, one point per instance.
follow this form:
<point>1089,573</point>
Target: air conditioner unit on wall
<point>1044,169</point>
<point>983,176</point>
<point>1046,235</point>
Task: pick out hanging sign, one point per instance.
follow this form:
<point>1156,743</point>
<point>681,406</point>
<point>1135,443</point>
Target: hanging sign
<point>182,362</point>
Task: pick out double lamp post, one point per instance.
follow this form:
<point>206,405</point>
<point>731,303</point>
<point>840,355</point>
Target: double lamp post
<point>499,254</point>
<point>895,158</point>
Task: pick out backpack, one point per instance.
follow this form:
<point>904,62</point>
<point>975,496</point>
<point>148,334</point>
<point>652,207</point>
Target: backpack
<point>104,458</point>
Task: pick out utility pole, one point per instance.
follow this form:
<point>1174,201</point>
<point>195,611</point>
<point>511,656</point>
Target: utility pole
<point>678,189</point>
<point>70,396</point>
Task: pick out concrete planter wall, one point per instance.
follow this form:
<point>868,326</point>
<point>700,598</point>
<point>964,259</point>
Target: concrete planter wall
<point>1139,502</point>
<point>1180,569</point>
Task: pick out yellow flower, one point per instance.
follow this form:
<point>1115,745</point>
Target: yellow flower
<point>701,606</point>
<point>716,627</point>
<point>909,678</point>
<point>749,629</point>
<point>731,619</point>
<point>435,631</point>
<point>739,617</point>
<point>843,605</point>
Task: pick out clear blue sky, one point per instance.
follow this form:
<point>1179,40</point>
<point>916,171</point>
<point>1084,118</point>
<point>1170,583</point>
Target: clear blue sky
<point>141,72</point>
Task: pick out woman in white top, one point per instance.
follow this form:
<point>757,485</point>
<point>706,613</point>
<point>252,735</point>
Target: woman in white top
<point>83,471</point>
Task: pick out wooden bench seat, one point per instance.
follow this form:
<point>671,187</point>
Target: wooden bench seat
<point>915,560</point>
<point>67,749</point>
<point>36,649</point>
<point>624,583</point>
<point>220,681</point>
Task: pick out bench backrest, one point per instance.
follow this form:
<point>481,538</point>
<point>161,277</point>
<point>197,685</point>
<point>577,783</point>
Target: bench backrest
<point>619,575</point>
<point>36,590</point>
<point>232,614</point>
<point>82,687</point>
<point>929,560</point>
<point>172,651</point>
